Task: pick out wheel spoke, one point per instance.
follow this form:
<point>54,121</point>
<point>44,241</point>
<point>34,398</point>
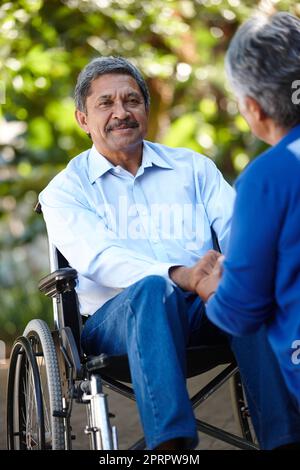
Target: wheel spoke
<point>45,395</point>
<point>31,425</point>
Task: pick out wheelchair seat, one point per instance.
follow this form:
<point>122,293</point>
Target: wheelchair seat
<point>199,360</point>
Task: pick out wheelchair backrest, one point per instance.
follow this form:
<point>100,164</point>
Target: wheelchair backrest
<point>66,308</point>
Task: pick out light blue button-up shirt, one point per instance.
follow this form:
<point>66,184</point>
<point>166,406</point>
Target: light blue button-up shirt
<point>115,228</point>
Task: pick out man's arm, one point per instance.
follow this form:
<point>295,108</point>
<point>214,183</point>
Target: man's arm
<point>206,273</point>
<point>90,247</point>
<point>218,199</point>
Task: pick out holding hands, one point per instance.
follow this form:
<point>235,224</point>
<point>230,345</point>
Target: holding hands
<point>207,274</point>
<point>202,278</point>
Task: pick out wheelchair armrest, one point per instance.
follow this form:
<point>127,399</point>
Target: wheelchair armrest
<point>58,282</point>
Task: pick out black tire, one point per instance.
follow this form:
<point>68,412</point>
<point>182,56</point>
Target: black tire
<point>22,367</point>
<point>34,392</point>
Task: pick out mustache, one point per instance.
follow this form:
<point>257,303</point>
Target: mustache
<point>121,124</point>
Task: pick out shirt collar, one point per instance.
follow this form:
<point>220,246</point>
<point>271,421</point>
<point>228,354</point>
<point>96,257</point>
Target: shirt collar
<point>290,136</point>
<point>99,165</point>
<point>151,157</point>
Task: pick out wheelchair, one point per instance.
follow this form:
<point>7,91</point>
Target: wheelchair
<point>48,371</point>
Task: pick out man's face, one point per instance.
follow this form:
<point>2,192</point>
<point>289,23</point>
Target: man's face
<point>116,116</point>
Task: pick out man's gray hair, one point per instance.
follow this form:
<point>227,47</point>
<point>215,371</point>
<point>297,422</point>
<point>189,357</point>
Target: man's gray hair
<point>101,66</point>
<point>263,61</point>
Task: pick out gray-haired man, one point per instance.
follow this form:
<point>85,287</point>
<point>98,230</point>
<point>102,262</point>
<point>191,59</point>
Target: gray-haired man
<point>134,218</point>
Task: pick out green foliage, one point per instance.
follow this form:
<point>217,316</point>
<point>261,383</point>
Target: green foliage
<point>178,44</point>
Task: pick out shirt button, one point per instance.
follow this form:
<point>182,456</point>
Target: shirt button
<point>118,170</point>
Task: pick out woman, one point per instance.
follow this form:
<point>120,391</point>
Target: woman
<point>259,288</point>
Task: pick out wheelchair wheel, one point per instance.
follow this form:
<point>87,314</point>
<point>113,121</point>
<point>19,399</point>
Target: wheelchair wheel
<point>34,396</point>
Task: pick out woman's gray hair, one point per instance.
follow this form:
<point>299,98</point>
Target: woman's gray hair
<point>101,66</point>
<point>263,61</point>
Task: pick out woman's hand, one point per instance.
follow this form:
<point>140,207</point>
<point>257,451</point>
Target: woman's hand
<point>202,278</point>
<point>208,272</point>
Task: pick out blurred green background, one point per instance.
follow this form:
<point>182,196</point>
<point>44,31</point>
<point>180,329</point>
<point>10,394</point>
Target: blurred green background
<point>178,45</point>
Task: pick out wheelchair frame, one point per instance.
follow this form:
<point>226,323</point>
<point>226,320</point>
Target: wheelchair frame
<point>82,378</point>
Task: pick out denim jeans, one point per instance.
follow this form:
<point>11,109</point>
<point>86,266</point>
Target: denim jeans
<point>153,322</point>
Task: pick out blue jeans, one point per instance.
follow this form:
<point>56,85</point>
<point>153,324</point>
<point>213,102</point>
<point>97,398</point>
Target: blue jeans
<point>153,322</point>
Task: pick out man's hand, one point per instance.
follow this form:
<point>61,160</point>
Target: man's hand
<point>208,271</point>
<point>202,278</point>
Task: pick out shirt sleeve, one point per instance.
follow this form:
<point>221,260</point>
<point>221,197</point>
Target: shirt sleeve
<point>245,296</point>
<point>218,199</point>
<point>90,247</point>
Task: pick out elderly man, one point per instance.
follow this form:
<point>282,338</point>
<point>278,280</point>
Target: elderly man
<point>134,219</point>
<point>259,293</point>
